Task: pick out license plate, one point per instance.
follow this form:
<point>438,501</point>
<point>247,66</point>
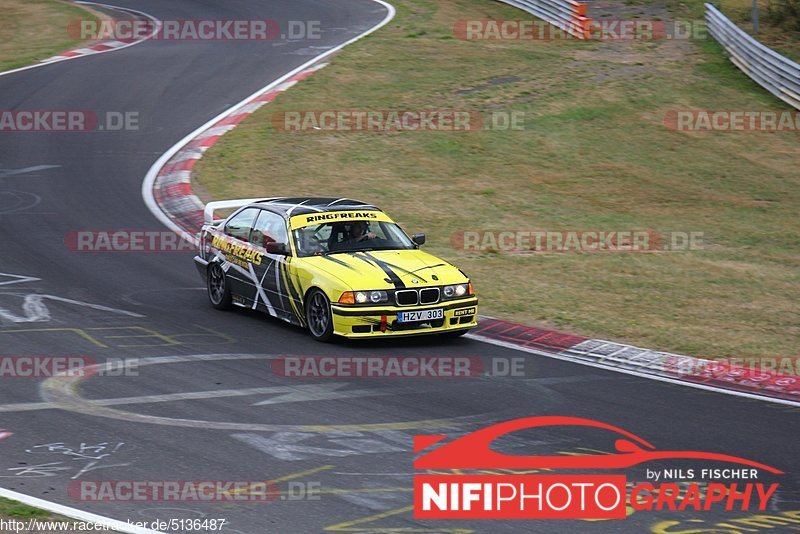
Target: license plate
<point>420,315</point>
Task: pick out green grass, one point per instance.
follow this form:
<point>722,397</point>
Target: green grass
<point>594,154</point>
<point>32,30</point>
<point>17,510</point>
<point>13,510</point>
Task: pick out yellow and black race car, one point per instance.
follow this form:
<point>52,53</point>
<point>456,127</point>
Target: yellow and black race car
<point>334,266</point>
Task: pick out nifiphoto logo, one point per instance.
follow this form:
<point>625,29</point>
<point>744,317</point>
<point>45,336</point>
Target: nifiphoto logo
<point>456,492</point>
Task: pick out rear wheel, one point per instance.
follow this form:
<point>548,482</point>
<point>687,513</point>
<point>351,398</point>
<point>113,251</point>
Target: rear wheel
<point>318,316</point>
<point>219,293</point>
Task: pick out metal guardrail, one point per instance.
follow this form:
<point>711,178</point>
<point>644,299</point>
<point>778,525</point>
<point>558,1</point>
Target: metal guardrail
<point>775,73</point>
<point>565,14</point>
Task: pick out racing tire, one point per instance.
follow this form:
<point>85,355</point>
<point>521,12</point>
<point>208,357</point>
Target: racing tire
<point>219,292</point>
<point>319,318</point>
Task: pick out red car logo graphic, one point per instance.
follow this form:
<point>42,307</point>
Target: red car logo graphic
<point>474,451</point>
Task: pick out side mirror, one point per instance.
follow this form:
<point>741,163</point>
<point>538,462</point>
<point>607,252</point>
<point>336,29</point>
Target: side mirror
<point>419,239</point>
<point>277,248</point>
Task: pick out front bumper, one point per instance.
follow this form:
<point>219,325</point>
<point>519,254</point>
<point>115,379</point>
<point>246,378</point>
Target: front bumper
<point>202,267</point>
<point>381,321</point>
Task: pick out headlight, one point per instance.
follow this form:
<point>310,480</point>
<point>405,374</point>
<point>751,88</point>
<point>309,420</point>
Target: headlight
<point>456,291</point>
<point>370,297</point>
<point>376,297</point>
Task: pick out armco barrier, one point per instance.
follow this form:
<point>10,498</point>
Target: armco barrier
<point>777,74</point>
<point>568,15</point>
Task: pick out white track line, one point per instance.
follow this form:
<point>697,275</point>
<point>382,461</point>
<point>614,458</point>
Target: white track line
<point>74,513</point>
<point>149,180</point>
<point>48,62</point>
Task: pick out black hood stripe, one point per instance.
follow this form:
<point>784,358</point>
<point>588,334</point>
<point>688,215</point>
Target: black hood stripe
<point>395,280</point>
<point>340,262</point>
<point>386,264</point>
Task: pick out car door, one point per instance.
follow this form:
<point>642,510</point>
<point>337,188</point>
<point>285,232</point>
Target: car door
<point>271,290</point>
<point>239,273</point>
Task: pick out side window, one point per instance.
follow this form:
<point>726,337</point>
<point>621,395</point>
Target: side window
<point>270,227</point>
<point>239,225</point>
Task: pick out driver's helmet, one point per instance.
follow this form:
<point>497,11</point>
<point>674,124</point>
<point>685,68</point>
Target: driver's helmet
<point>362,225</point>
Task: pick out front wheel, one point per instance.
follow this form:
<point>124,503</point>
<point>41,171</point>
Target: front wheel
<point>318,316</point>
<point>219,293</point>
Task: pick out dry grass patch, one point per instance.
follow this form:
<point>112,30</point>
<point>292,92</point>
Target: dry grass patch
<point>31,30</point>
<point>594,154</point>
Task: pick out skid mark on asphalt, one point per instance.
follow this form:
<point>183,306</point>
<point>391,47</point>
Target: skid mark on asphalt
<point>284,394</point>
<point>366,524</point>
<point>35,310</point>
<point>94,456</point>
<point>17,201</point>
<point>101,337</point>
<point>26,170</point>
<point>7,279</point>
<point>149,399</point>
<point>288,446</point>
<point>317,392</point>
<point>61,392</point>
<point>12,201</point>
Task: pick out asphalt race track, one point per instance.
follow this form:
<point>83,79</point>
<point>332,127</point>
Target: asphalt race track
<point>228,416</point>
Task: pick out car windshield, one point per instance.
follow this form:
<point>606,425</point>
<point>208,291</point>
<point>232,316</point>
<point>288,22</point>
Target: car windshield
<point>350,236</point>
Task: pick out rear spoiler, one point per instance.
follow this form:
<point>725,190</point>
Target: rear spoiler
<point>211,207</point>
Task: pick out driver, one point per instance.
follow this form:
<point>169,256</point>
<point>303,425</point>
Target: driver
<point>359,232</point>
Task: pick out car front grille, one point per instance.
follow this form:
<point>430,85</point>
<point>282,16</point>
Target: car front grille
<point>412,297</point>
<point>406,297</point>
<point>429,295</point>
